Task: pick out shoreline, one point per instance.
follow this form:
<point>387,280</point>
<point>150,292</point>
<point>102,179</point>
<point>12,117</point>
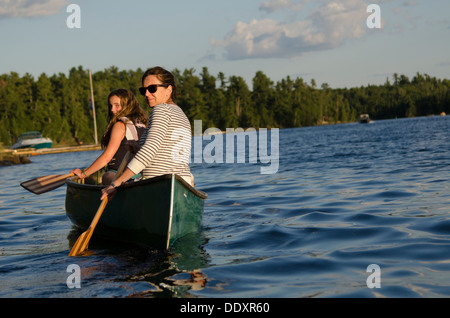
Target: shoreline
<point>9,157</point>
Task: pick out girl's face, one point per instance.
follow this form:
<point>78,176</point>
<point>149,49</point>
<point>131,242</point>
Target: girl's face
<point>162,94</point>
<point>114,101</point>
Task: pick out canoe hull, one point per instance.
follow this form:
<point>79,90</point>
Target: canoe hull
<point>153,212</point>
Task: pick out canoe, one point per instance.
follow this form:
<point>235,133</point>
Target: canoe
<point>153,212</point>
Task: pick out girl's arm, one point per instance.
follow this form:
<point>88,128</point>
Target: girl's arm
<point>117,134</point>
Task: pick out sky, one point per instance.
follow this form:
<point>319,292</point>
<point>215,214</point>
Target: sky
<point>332,42</point>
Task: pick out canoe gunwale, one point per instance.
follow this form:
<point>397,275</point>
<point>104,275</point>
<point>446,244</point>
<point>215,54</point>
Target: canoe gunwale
<point>198,193</point>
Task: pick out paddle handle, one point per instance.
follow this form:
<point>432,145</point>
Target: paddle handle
<point>52,178</point>
<point>123,165</point>
<point>98,214</point>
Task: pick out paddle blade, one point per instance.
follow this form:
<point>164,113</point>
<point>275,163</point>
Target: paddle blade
<point>46,183</point>
<point>83,241</point>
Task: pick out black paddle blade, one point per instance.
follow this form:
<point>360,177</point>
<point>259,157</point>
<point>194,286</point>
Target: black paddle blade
<point>45,184</point>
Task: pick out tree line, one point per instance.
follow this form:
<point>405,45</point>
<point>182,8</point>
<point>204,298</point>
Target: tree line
<point>58,105</point>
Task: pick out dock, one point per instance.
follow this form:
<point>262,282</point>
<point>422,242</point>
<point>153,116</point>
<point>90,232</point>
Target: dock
<point>10,157</point>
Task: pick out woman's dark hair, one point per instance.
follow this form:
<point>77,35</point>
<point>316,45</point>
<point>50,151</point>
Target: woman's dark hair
<point>164,76</point>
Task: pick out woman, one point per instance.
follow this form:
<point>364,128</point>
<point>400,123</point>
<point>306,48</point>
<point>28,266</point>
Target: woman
<point>166,143</point>
<point>127,121</point>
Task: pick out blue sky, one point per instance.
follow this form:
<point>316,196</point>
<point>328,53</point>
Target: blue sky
<point>324,40</point>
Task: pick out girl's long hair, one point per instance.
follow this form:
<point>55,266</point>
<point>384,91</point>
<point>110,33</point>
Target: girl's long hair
<point>130,109</point>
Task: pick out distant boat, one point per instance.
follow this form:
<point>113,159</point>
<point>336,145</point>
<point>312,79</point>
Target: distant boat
<point>32,139</point>
<point>364,119</point>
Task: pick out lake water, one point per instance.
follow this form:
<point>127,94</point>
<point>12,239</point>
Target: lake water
<point>344,197</point>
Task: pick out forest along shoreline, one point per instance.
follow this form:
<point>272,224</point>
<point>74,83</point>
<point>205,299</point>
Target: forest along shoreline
<point>59,105</point>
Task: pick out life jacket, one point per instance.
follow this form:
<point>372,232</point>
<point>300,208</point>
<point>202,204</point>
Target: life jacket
<point>132,133</point>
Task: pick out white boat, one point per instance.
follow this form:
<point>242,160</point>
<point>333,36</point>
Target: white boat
<point>364,119</point>
<point>32,139</point>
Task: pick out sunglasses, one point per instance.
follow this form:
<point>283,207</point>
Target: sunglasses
<point>151,88</point>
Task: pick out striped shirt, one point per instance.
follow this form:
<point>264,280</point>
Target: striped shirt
<point>165,144</point>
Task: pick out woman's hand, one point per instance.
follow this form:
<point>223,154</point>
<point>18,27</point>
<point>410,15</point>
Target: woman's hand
<point>109,192</point>
<point>80,174</point>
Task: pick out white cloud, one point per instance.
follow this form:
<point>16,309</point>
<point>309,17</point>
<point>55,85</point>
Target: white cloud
<point>30,8</point>
<point>325,27</point>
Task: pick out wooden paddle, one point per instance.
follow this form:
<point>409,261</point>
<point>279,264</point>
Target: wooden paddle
<point>83,241</point>
<point>46,183</point>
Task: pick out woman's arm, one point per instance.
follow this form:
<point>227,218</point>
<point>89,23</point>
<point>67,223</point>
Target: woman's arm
<point>117,134</point>
<point>126,175</point>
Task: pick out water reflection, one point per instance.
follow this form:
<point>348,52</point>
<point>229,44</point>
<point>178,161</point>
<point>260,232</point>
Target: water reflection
<point>142,272</point>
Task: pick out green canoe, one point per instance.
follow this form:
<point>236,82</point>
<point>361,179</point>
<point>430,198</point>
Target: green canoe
<point>152,212</point>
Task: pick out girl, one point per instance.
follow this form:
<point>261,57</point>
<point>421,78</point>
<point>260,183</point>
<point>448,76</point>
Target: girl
<point>127,121</point>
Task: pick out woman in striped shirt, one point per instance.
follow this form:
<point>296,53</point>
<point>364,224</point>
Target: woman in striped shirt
<point>166,143</point>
